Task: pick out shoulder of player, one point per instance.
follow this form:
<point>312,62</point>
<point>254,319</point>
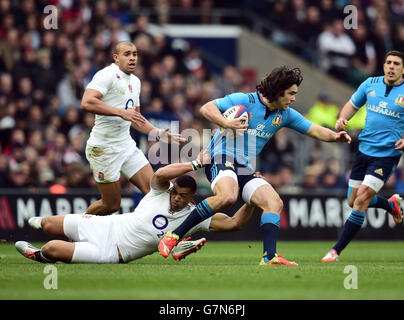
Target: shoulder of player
<point>374,80</point>
<point>107,71</point>
<point>135,79</point>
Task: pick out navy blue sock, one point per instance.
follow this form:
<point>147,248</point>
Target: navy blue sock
<point>269,228</point>
<point>381,202</point>
<point>201,212</point>
<point>351,228</point>
<point>40,258</point>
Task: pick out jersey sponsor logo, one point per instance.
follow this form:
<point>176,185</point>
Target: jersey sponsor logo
<point>379,172</point>
<point>160,222</point>
<point>383,104</point>
<point>260,134</point>
<point>381,108</point>
<point>277,121</point>
<point>260,126</point>
<point>400,100</point>
<point>129,104</point>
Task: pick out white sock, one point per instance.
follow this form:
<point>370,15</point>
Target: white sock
<point>35,222</point>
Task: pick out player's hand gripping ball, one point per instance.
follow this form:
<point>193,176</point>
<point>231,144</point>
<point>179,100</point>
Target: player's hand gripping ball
<point>237,112</point>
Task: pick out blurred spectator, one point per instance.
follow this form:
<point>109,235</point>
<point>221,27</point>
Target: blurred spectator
<point>229,81</point>
<point>309,30</point>
<point>310,179</point>
<point>336,49</point>
<point>77,176</point>
<point>323,112</point>
<point>383,41</point>
<point>19,176</point>
<point>9,50</point>
<point>3,171</point>
<point>364,61</point>
<point>278,152</point>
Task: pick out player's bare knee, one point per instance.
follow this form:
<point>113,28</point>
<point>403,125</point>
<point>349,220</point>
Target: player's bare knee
<point>273,206</point>
<point>227,200</point>
<point>47,225</point>
<point>49,250</point>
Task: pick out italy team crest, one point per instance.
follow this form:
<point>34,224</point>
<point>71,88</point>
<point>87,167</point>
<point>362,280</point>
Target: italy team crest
<point>277,121</point>
<point>229,164</point>
<point>400,100</point>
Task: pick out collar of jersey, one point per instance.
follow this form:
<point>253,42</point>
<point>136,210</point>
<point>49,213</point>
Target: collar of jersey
<point>267,110</point>
<point>120,72</point>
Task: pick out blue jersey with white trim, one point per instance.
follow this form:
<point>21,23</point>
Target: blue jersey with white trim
<point>384,117</point>
<point>263,124</point>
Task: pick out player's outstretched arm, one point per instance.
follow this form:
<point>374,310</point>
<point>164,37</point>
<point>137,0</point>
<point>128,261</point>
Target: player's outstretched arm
<point>161,178</point>
<point>324,134</point>
<point>221,222</point>
<point>157,134</point>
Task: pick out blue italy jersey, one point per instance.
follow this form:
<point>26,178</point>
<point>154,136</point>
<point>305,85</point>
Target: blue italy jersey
<point>262,125</point>
<point>384,119</point>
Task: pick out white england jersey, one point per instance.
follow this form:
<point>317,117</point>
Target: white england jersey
<point>138,234</point>
<point>119,90</point>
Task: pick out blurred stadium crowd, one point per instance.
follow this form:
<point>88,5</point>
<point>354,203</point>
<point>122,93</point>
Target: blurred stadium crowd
<point>43,74</point>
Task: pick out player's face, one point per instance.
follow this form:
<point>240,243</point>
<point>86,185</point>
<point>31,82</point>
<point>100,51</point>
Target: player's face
<point>180,197</point>
<point>126,58</point>
<point>393,70</point>
<point>289,96</point>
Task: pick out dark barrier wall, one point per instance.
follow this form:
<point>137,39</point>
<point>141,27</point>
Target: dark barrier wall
<point>305,217</point>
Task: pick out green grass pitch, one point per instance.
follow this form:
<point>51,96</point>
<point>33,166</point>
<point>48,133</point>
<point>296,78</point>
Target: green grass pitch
<point>221,270</point>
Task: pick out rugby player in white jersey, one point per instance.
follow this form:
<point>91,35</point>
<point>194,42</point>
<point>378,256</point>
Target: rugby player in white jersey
<point>113,96</point>
<point>129,236</point>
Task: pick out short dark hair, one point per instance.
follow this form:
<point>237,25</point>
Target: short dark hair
<point>280,79</point>
<point>395,53</point>
<point>186,181</point>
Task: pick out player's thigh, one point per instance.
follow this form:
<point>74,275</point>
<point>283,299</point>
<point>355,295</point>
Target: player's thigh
<point>267,199</point>
<point>88,252</point>
<point>142,178</point>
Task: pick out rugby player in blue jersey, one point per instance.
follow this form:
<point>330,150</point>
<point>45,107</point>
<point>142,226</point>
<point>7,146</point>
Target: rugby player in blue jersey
<point>380,147</point>
<point>231,171</point>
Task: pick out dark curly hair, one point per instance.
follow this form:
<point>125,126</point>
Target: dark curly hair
<point>280,79</point>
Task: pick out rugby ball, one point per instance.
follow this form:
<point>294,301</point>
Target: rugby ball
<point>237,111</point>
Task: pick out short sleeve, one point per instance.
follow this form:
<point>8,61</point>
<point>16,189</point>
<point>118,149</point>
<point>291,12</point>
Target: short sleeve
<point>358,99</point>
<point>230,100</point>
<point>137,100</point>
<point>100,82</point>
<point>297,122</point>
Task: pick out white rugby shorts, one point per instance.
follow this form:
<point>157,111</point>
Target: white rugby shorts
<point>93,238</point>
<point>108,162</point>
